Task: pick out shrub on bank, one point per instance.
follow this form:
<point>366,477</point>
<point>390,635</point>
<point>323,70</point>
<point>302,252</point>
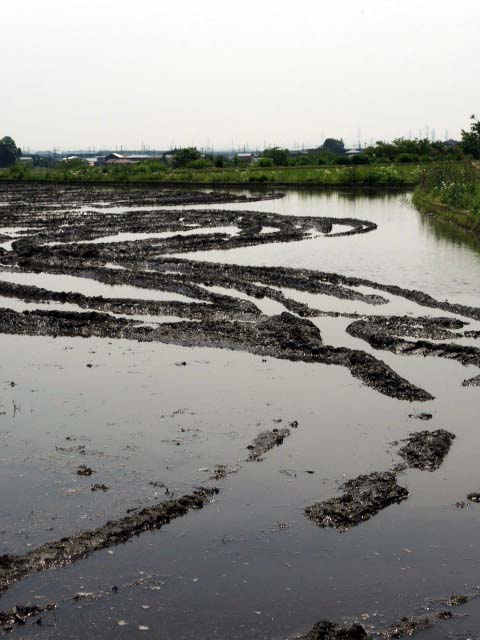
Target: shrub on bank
<point>454,185</point>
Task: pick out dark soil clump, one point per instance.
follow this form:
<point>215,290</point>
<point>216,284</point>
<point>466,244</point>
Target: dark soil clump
<point>472,382</point>
<point>266,441</point>
<point>99,487</point>
<point>457,599</point>
<point>363,498</point>
<point>21,613</point>
<point>83,470</point>
<point>406,627</point>
<point>421,416</point>
<point>427,449</point>
<point>474,497</point>
<point>326,630</point>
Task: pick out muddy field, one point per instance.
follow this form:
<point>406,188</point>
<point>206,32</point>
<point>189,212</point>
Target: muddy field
<point>174,351</point>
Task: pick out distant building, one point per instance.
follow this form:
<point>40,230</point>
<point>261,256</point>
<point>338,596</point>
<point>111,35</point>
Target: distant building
<point>245,158</point>
<point>114,156</point>
<point>71,158</point>
<point>127,161</point>
<point>117,158</point>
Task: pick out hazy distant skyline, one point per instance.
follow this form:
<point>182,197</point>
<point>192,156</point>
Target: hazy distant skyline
<point>111,73</point>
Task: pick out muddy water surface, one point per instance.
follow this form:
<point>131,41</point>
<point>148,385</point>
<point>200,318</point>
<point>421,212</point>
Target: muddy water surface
<point>154,420</point>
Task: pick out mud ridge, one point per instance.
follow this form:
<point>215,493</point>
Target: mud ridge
<point>265,441</point>
<point>73,231</point>
<point>363,498</point>
<point>386,333</point>
<point>284,336</point>
<point>427,449</point>
<point>71,549</point>
<point>405,627</point>
<point>327,630</point>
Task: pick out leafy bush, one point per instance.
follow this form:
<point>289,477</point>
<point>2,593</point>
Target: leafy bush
<point>265,162</point>
<point>455,185</point>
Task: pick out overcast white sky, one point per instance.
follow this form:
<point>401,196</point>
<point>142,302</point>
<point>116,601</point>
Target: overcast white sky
<point>80,73</point>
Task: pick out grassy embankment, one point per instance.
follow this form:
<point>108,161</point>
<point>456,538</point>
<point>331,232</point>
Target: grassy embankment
<point>452,193</point>
<point>366,175</point>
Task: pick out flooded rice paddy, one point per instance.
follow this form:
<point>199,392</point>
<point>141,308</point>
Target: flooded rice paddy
<point>158,346</point>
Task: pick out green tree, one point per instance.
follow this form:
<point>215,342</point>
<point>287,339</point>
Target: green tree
<point>9,152</point>
<point>471,139</point>
<point>280,157</point>
<point>183,157</point>
<point>332,145</point>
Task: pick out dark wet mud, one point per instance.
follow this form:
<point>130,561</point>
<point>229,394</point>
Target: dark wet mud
<point>19,615</point>
<point>472,382</point>
<point>362,498</point>
<point>284,336</point>
<point>266,441</point>
<point>66,239</point>
<point>426,449</point>
<point>70,549</point>
<point>389,334</point>
<point>326,630</point>
<point>406,627</point>
<point>421,416</point>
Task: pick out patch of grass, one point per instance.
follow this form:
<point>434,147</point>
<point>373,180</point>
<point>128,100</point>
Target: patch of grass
<point>456,186</point>
<point>368,175</point>
<point>452,193</point>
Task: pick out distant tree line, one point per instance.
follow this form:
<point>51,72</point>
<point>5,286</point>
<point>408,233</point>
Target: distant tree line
<point>334,152</point>
<point>331,152</point>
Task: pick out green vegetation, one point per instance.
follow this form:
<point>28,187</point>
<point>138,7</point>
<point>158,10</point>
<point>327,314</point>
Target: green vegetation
<point>471,139</point>
<point>75,171</point>
<point>399,162</point>
<point>455,185</point>
<point>452,190</point>
<point>333,152</point>
<point>452,193</point>
<point>331,145</point>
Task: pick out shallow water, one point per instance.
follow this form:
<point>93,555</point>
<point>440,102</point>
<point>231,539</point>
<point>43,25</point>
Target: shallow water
<point>250,565</point>
<point>54,282</point>
<point>406,249</point>
<point>131,237</point>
